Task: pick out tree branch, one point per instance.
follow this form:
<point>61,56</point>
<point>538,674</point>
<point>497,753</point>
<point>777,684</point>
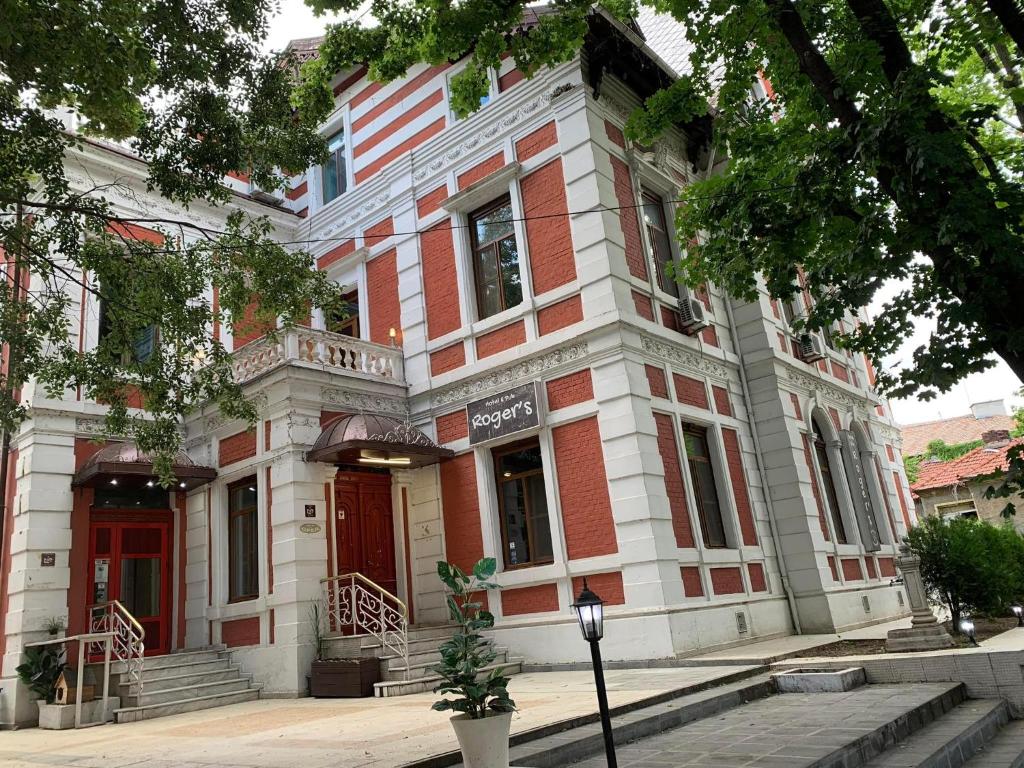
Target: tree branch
<point>1010,16</point>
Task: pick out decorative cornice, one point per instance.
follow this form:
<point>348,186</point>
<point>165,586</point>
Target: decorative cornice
<point>486,133</point>
<point>512,374</point>
<point>356,214</point>
<point>814,385</point>
<point>364,402</point>
<point>684,358</point>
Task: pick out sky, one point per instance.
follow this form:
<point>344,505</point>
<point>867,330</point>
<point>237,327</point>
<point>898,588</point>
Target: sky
<point>999,383</point>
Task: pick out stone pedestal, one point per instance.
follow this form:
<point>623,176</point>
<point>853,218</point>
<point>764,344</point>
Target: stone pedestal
<point>925,633</point>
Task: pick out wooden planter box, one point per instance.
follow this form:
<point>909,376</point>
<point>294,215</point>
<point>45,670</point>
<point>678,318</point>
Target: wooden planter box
<point>354,678</point>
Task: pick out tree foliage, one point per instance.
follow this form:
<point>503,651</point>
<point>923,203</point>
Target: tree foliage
<point>467,653</point>
<point>969,566</point>
<point>185,87</point>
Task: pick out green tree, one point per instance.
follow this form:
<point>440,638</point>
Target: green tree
<point>186,87</point>
<point>889,151</point>
<point>968,565</point>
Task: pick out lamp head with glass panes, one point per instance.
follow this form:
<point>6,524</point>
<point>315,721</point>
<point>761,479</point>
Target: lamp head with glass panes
<point>590,612</point>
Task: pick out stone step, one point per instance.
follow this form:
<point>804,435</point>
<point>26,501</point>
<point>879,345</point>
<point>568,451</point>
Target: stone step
<point>149,711</point>
<point>425,668</point>
<point>176,670</point>
<point>427,683</point>
<point>415,646</point>
<point>1006,750</point>
<point>193,691</point>
<point>230,672</point>
<point>429,658</point>
<point>950,741</point>
<point>183,657</point>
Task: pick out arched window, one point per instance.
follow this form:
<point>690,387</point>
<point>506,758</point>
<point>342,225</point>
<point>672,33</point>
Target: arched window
<point>828,480</point>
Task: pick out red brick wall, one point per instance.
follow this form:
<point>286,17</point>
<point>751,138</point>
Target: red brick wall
<point>674,487</point>
<point>559,315</point>
<point>796,406</point>
<point>851,569</point>
<point>642,304</point>
<point>440,284</point>
<point>726,581</point>
<point>536,142</point>
<point>394,99</point>
<point>889,453</point>
<point>569,390</point>
<point>382,297</point>
<point>869,563</point>
<point>240,632</point>
<point>722,403</point>
<point>902,498</point>
<point>583,490</point>
<point>691,391</point>
<point>336,254</point>
<point>833,567</point>
<point>614,133</point>
<point>840,372</point>
<point>834,415</point>
<point>509,79</point>
<point>607,586</point>
<point>542,598</point>
<point>692,586</point>
<point>886,567</point>
<point>552,261</point>
<point>431,201</point>
<point>447,359</point>
<point>758,582</point>
<point>480,170</point>
<point>815,490</point>
<point>382,230</point>
<point>656,381</point>
<point>409,115</point>
<point>296,192</point>
<point>237,448</point>
<point>739,487</point>
<point>247,328</point>
<point>412,142</point>
<point>635,259</point>
<point>461,510</point>
<point>710,336</point>
<point>503,338</point>
<point>669,317</point>
<point>452,426</point>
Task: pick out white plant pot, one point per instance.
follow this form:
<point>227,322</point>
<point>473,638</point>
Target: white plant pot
<point>484,743</point>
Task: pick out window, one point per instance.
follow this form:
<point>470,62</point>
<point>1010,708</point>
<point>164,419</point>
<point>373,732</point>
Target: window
<point>495,258</point>
<point>335,173</point>
<point>660,239</point>
<point>788,312</point>
<point>346,323</point>
<point>243,570</point>
<point>143,342</point>
<point>522,505</point>
<point>702,474</point>
<point>827,478</point>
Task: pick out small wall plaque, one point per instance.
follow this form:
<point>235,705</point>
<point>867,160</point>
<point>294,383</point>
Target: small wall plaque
<point>309,528</point>
<point>311,510</point>
<point>47,559</point>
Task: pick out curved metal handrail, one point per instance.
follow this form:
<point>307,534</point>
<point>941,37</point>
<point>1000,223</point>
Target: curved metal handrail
<point>353,600</point>
<point>127,615</point>
<point>129,635</point>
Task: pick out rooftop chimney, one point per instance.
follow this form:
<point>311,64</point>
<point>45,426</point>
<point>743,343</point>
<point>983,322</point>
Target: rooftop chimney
<point>988,408</point>
<point>996,438</point>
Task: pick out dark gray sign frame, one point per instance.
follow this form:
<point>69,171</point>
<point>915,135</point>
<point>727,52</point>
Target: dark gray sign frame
<point>504,413</point>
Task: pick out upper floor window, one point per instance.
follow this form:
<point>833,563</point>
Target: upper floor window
<point>523,505</point>
<point>495,258</point>
<point>243,538</point>
<point>335,172</point>
<point>346,323</point>
<point>828,480</point>
<point>140,344</point>
<point>705,490</point>
<point>660,239</point>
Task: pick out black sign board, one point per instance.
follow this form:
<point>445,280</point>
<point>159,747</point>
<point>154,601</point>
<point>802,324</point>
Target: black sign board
<point>503,414</point>
<point>47,559</point>
<point>311,510</point>
<point>859,491</point>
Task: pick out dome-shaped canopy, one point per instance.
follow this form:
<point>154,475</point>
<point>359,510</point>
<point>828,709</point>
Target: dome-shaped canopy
<point>125,460</point>
<point>374,439</point>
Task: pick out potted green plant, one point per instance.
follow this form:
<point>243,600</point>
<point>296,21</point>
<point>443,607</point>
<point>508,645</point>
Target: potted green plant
<point>481,701</point>
<point>40,671</point>
<point>54,625</point>
<point>333,678</point>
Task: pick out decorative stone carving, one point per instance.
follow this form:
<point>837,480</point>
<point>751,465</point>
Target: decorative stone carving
<point>364,401</point>
<point>356,215</point>
<point>521,371</point>
<point>925,633</point>
<point>683,357</point>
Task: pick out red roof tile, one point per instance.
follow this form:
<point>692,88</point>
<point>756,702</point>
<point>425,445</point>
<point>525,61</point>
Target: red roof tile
<point>959,429</point>
<point>978,463</point>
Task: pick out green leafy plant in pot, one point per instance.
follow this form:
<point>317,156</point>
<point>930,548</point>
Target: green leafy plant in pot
<point>41,669</point>
<point>481,701</point>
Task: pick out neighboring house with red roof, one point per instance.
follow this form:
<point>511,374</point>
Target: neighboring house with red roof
<point>984,417</point>
<point>956,488</point>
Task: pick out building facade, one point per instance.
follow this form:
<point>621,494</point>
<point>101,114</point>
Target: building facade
<point>527,389</point>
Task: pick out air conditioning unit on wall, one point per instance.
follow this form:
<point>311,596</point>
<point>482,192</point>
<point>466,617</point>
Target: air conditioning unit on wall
<point>691,315</point>
<point>811,349</point>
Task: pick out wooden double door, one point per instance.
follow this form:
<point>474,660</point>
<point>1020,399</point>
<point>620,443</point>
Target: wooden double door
<point>364,527</point>
<point>130,557</point>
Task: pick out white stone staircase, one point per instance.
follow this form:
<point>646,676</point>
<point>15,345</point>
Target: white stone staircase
<point>399,680</point>
<point>183,681</point>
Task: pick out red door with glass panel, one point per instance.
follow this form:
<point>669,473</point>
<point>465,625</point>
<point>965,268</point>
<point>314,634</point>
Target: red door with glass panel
<point>364,527</point>
<point>130,561</point>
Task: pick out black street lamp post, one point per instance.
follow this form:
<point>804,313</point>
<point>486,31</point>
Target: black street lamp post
<point>590,612</point>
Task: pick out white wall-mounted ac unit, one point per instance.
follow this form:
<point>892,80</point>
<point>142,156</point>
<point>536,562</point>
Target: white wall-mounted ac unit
<point>811,348</point>
<point>691,314</point>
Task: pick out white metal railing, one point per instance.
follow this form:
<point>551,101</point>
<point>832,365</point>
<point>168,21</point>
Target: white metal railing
<point>330,351</point>
<point>92,639</point>
<point>129,639</point>
<point>357,604</point>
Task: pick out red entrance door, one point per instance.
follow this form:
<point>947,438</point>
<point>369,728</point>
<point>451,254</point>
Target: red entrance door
<point>130,561</point>
<point>365,527</point>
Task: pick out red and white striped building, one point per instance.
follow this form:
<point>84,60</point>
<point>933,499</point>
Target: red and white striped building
<point>525,389</point>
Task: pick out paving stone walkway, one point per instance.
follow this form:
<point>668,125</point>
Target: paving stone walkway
<point>785,731</point>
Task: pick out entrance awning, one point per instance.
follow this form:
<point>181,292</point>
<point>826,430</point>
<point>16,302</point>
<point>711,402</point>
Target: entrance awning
<point>124,463</point>
<point>375,440</point>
